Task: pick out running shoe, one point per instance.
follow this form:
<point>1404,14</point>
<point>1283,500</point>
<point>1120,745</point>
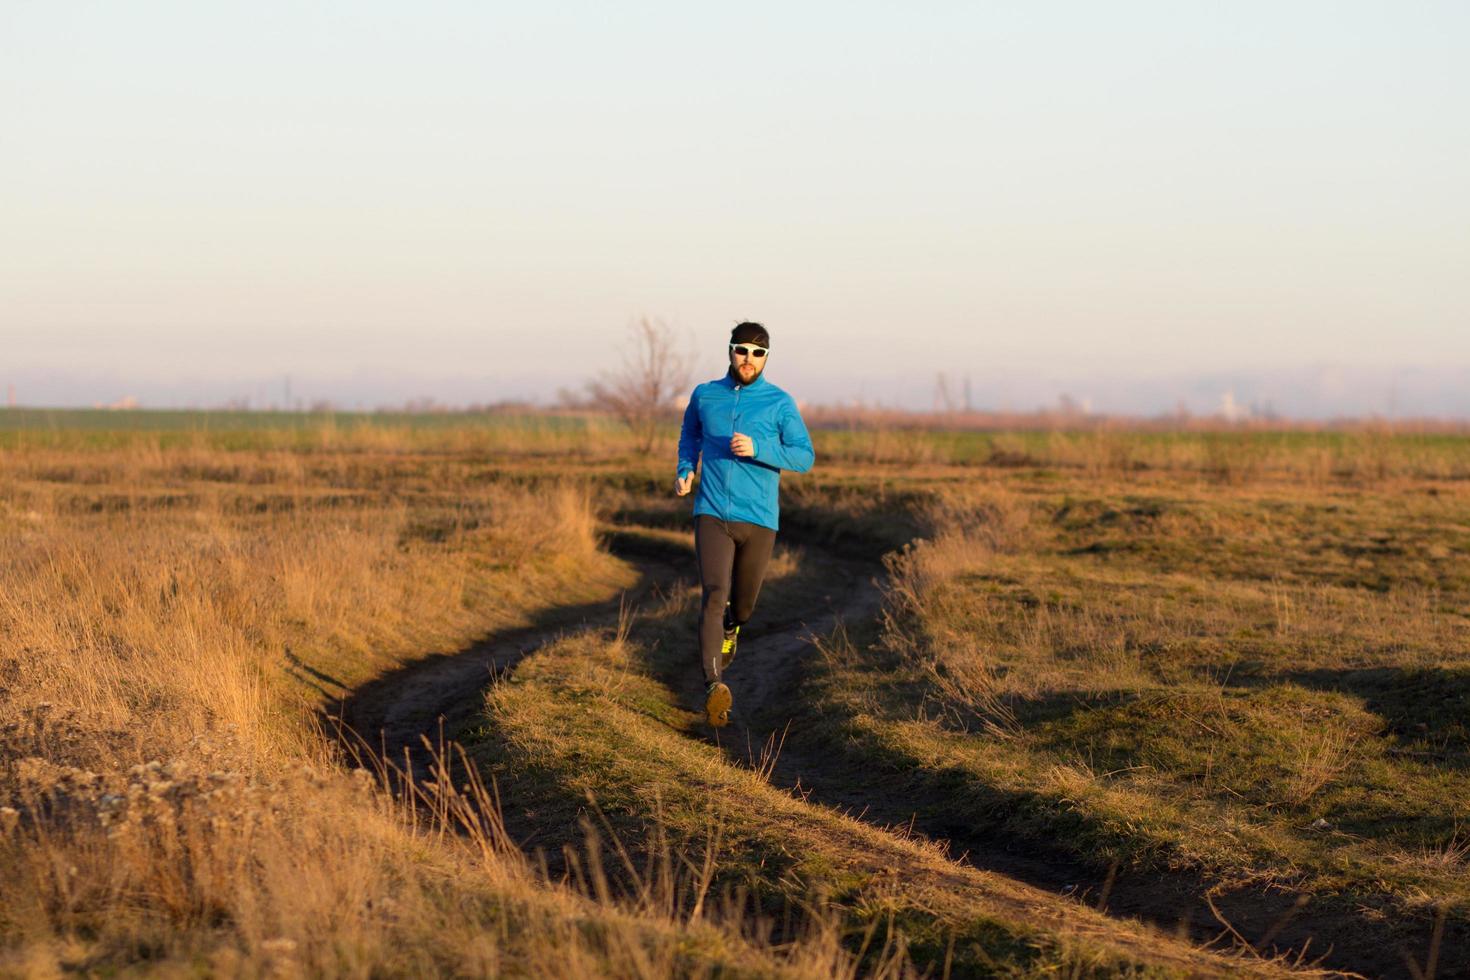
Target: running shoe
<point>717,702</point>
<point>727,648</point>
<point>732,637</point>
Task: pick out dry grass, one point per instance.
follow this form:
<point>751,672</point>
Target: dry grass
<point>1258,678</point>
<point>967,529</point>
<point>176,608</point>
<point>171,609</point>
<point>587,719</point>
<point>559,435</point>
<point>172,621</point>
<point>1322,756</point>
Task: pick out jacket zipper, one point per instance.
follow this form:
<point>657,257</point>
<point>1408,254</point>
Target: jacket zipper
<point>734,421</point>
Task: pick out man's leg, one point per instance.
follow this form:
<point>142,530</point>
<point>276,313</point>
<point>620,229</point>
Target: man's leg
<point>753,545</point>
<point>715,550</point>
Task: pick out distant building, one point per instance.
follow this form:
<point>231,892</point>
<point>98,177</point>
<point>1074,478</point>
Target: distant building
<point>1230,410</point>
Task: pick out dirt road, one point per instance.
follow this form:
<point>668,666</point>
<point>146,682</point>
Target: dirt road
<point>395,713</point>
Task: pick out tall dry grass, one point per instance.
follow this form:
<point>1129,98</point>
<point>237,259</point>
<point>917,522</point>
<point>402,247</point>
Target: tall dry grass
<point>158,624</point>
<point>171,621</point>
<point>144,615</point>
<point>965,527</point>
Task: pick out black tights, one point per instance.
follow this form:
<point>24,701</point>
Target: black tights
<point>732,563</point>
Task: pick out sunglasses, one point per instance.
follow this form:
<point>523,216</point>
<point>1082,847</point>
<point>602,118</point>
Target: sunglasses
<point>744,351</point>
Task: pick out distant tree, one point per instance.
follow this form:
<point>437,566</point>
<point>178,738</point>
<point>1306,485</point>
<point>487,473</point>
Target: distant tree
<point>644,389</point>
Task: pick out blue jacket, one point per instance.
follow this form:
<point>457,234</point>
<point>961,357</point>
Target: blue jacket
<point>731,487</point>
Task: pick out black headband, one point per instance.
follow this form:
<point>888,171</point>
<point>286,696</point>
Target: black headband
<point>750,333</point>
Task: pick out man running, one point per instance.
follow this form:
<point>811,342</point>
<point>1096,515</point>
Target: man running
<point>747,431</point>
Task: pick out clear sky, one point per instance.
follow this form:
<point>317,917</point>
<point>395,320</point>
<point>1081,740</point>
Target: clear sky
<point>195,196</point>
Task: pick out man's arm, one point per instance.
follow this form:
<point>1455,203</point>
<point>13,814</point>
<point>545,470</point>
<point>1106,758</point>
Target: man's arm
<point>691,437</point>
<point>792,448</point>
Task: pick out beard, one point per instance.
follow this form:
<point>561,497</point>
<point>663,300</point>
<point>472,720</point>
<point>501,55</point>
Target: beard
<point>747,372</point>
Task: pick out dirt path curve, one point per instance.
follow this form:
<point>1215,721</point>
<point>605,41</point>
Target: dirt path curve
<point>444,693</point>
<point>766,679</point>
<point>437,696</point>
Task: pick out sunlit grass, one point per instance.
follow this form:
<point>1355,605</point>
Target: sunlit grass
<point>1173,650</point>
<point>1261,682</point>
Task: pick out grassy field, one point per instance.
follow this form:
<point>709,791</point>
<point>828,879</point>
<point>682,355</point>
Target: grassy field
<point>1264,686</point>
<point>1115,703</point>
<point>1358,454</point>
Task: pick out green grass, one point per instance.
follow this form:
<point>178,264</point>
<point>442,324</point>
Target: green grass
<point>583,725</point>
<point>1351,456</point>
<point>1221,457</point>
<point>1264,684</point>
<point>230,420</point>
<point>34,428</point>
<point>1235,656</point>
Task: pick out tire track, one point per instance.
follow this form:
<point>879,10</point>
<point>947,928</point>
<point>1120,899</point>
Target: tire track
<point>768,674</point>
<point>435,698</point>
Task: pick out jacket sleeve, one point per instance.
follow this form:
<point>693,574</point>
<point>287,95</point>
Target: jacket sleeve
<point>792,448</point>
<point>691,437</point>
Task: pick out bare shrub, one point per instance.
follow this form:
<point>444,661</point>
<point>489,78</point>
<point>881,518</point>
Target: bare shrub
<point>643,391</point>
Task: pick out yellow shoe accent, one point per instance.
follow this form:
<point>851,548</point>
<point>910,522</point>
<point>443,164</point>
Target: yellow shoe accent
<point>727,648</point>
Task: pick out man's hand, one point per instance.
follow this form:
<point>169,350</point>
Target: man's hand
<point>742,445</point>
<point>682,484</point>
